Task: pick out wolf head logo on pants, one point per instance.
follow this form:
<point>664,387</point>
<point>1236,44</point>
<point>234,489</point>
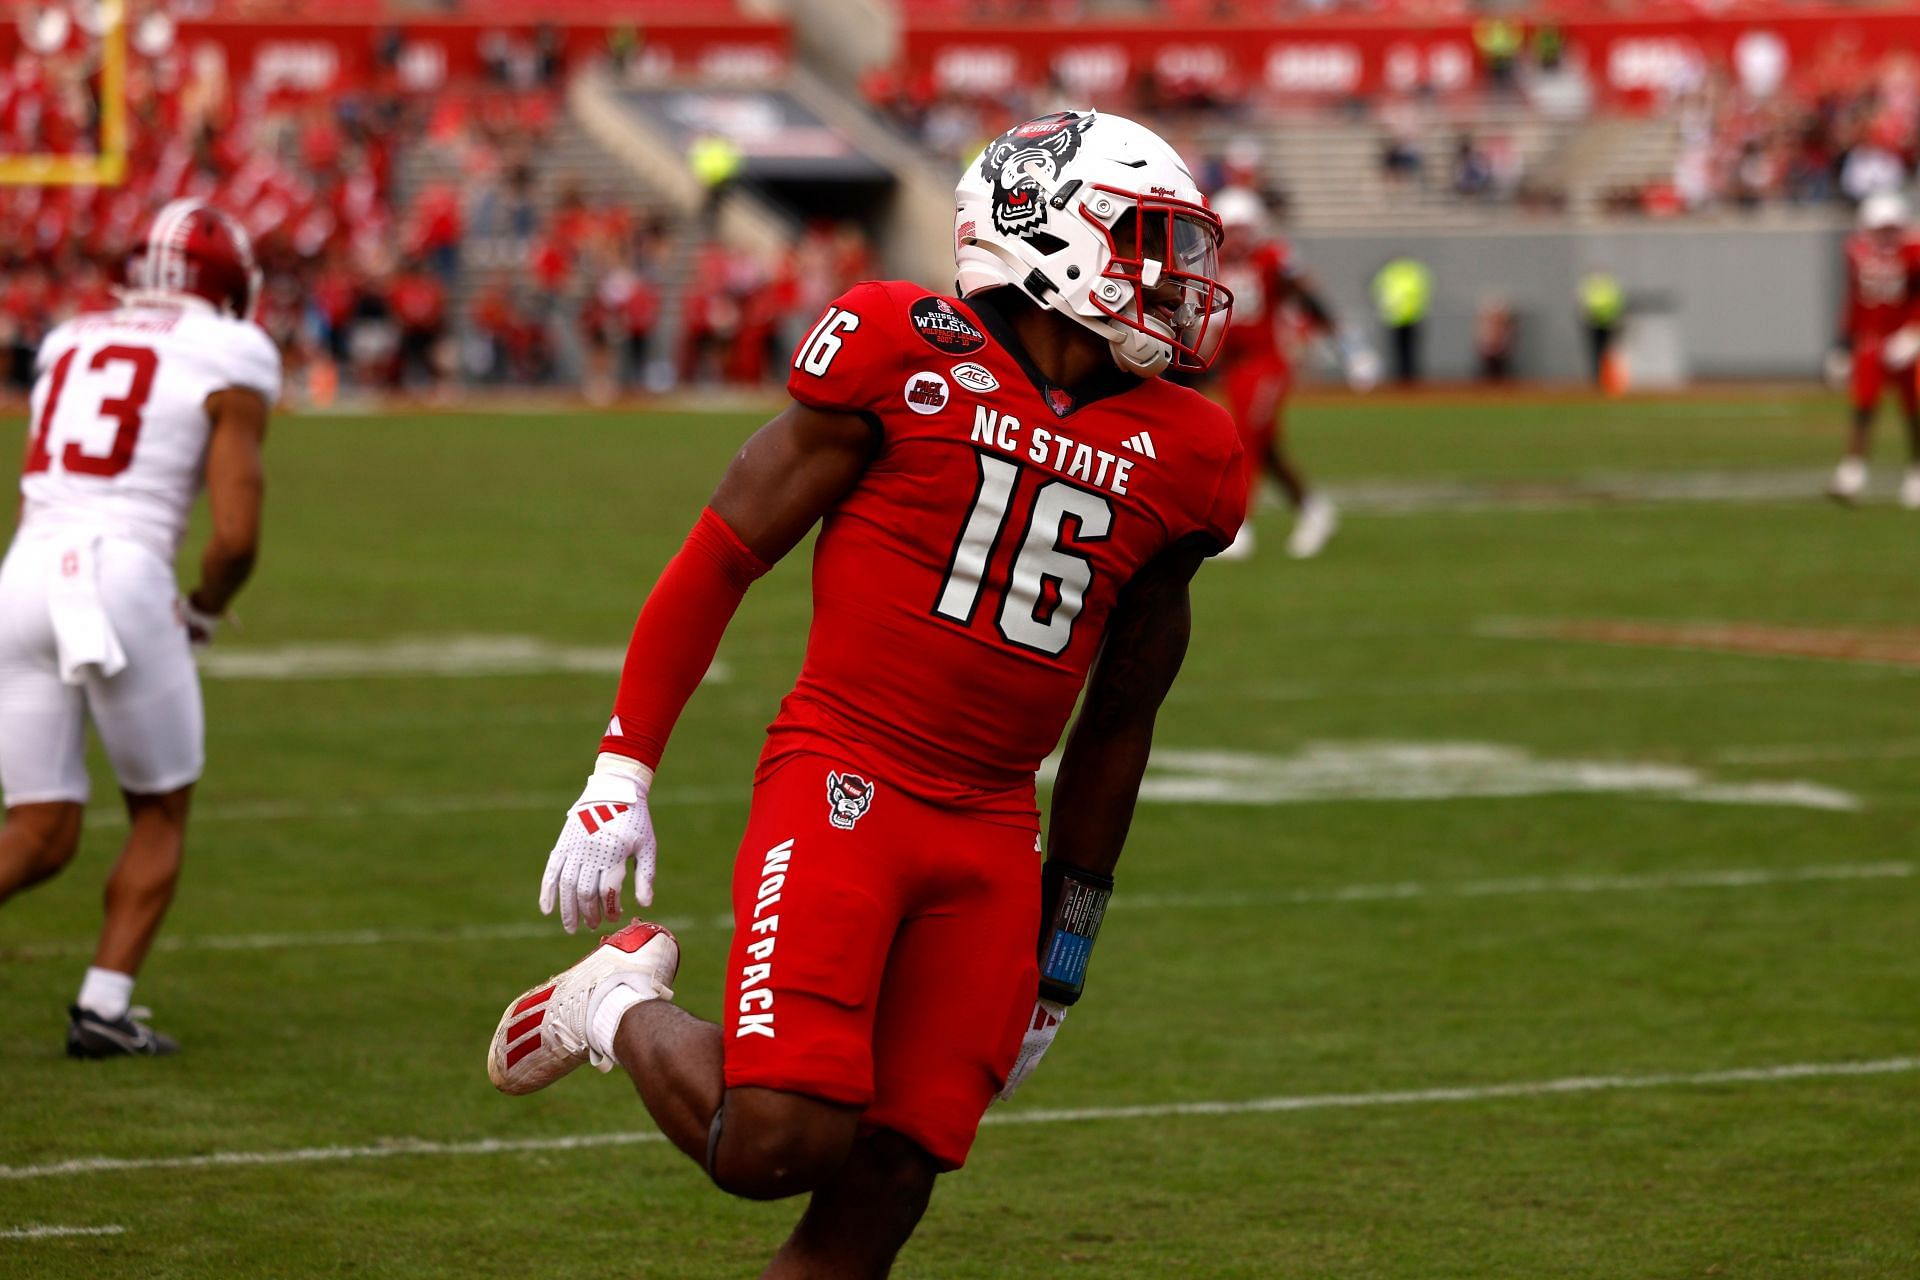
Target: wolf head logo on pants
<point>849,796</point>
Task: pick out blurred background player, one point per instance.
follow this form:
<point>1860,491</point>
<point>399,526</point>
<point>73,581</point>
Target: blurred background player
<point>1881,335</point>
<point>1256,362</point>
<point>133,409</point>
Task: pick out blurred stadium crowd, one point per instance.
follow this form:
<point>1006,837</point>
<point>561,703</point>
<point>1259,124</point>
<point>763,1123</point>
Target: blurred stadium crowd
<point>492,268</point>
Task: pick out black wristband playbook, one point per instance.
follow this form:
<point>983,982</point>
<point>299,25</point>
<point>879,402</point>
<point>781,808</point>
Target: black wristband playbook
<point>1072,903</point>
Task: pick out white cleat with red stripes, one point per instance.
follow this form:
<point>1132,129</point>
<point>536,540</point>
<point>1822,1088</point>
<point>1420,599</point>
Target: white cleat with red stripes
<point>543,1035</point>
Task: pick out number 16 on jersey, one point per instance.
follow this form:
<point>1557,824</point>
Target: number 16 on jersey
<point>1047,585</point>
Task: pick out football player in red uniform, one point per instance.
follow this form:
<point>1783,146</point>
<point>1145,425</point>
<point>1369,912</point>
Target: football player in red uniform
<point>1881,335</point>
<point>1269,290</point>
<point>1011,506</point>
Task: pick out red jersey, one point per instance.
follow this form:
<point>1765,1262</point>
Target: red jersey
<point>1882,283</point>
<point>1261,283</point>
<point>961,590</point>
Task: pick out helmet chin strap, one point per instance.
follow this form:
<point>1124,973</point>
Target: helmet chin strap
<point>1141,354</point>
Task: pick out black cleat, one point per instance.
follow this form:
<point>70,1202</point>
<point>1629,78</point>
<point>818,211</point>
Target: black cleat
<point>91,1036</point>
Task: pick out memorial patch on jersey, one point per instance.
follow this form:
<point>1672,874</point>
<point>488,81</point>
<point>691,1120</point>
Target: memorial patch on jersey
<point>940,324</point>
<point>975,377</point>
<point>849,796</point>
<point>927,392</point>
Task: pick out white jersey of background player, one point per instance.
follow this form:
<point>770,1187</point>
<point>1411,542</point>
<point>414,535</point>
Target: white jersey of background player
<point>133,412</point>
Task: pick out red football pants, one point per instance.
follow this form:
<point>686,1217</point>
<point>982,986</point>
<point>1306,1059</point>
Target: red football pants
<point>1256,390</point>
<point>883,952</point>
<point>1870,376</point>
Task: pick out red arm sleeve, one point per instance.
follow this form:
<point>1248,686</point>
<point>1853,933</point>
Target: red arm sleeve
<point>677,635</point>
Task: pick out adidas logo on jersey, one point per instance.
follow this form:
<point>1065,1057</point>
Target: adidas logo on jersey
<point>1141,444</point>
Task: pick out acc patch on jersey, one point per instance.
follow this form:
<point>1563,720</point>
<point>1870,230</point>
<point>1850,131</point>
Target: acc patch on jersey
<point>849,796</point>
<point>927,392</point>
<point>975,377</point>
<point>943,328</point>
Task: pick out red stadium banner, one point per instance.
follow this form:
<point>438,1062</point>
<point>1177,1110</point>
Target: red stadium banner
<point>308,57</point>
<point>1330,58</point>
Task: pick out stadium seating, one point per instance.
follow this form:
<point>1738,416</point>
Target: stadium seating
<point>459,225</point>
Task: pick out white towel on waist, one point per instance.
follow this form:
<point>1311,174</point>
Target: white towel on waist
<point>81,630</point>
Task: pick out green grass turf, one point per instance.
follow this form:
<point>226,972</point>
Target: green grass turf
<point>553,526</point>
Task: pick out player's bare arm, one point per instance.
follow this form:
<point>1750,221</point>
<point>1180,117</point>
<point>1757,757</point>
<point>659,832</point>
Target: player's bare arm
<point>1305,294</point>
<point>1106,753</point>
<point>1098,782</point>
<point>789,474</point>
<point>236,489</point>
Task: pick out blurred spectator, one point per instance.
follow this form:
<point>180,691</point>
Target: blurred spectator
<point>1603,304</point>
<point>438,230</point>
<point>1472,169</point>
<point>1493,333</point>
<point>419,304</point>
<point>1402,291</point>
<point>1400,158</point>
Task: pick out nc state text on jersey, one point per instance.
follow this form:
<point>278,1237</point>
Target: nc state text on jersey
<point>1068,457</point>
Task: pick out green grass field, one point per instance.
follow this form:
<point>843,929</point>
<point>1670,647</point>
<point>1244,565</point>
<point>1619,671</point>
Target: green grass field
<point>1402,839</point>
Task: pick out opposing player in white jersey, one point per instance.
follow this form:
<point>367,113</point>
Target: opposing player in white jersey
<point>133,412</point>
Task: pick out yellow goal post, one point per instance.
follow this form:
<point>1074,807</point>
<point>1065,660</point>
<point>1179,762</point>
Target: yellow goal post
<point>107,165</point>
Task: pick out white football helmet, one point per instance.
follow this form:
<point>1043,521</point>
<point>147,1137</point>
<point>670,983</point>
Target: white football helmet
<point>1096,217</point>
<point>1241,210</point>
<point>1883,211</point>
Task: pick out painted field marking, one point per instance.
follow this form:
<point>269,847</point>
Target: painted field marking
<point>419,806</point>
<point>1395,891</point>
<point>1481,686</point>
<point>1148,1111</point>
<point>409,657</point>
<point>1318,772</point>
<point>1399,771</point>
<point>1520,886</point>
<point>1895,749</point>
<point>1589,489</point>
<point>1466,1093</point>
<point>58,1233</point>
<point>1883,647</point>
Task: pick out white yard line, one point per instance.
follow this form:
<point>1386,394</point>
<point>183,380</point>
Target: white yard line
<point>1396,891</point>
<point>1481,686</point>
<point>58,1233</point>
<point>1362,771</point>
<point>419,806</point>
<point>1465,495</point>
<point>1837,752</point>
<point>1466,1093</point>
<point>1148,1111</point>
<point>414,657</point>
<point>1519,886</point>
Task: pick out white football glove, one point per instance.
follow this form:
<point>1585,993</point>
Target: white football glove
<point>1838,368</point>
<point>1359,363</point>
<point>607,828</point>
<point>200,624</point>
<point>1045,1025</point>
<point>1901,348</point>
